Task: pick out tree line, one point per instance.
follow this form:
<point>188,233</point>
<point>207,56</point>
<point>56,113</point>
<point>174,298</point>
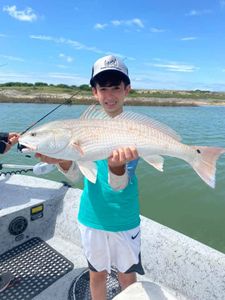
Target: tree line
<point>84,87</point>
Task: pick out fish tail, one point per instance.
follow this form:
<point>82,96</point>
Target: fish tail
<point>205,164</point>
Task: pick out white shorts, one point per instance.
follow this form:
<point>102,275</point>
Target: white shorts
<point>106,249</point>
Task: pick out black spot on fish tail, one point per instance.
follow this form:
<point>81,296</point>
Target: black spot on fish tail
<point>198,151</point>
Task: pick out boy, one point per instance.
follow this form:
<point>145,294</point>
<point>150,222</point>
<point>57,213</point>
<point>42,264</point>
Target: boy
<point>109,209</point>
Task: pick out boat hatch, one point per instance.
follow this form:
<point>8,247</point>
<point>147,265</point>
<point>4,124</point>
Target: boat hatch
<point>79,289</point>
<point>35,266</point>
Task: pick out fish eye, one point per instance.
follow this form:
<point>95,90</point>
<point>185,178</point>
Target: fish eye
<point>33,134</point>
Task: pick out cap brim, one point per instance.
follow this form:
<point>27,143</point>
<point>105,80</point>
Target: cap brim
<point>108,69</point>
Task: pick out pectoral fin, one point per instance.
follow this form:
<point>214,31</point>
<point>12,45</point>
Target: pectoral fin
<point>156,161</point>
<point>78,148</point>
<point>88,169</point>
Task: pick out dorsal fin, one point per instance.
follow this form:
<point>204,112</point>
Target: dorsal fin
<point>146,120</point>
<point>97,112</point>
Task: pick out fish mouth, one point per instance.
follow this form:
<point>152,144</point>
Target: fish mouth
<point>27,148</point>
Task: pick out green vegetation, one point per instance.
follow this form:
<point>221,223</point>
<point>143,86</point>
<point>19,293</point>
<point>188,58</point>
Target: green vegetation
<point>43,87</point>
<point>41,92</point>
<point>195,94</point>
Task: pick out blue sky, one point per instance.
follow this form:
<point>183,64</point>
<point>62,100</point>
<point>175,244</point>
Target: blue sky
<point>165,44</point>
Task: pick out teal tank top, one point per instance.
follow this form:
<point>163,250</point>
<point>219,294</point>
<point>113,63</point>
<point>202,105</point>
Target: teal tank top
<point>103,208</point>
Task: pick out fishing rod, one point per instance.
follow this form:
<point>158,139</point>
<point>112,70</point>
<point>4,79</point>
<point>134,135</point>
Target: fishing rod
<point>67,101</point>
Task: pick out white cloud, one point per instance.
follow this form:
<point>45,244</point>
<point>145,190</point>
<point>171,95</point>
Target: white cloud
<point>137,22</point>
<point>7,76</point>
<point>67,58</point>
<point>188,38</point>
<point>133,22</point>
<point>26,15</point>
<point>175,67</point>
<point>156,30</point>
<point>62,66</point>
<point>99,26</point>
<point>174,84</point>
<point>43,37</point>
<point>68,78</point>
<point>77,45</point>
<point>116,22</point>
<point>13,58</point>
<point>194,12</point>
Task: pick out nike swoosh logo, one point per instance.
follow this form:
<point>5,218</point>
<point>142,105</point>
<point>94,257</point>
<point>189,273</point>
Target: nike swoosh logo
<point>134,236</point>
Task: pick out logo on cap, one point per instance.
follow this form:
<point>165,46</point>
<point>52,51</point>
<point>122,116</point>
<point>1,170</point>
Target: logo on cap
<point>111,63</point>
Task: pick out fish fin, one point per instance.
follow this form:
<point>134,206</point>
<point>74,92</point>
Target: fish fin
<point>77,146</point>
<point>155,160</point>
<point>94,112</point>
<point>147,121</point>
<point>205,165</point>
<point>88,169</point>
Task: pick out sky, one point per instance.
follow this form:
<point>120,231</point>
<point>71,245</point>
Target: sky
<point>166,44</point>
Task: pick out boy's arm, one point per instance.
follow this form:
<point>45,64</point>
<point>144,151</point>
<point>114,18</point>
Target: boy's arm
<point>117,182</point>
<point>67,167</point>
<point>71,171</point>
<point>118,176</point>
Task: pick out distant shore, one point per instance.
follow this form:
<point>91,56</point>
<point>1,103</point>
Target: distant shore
<point>17,96</point>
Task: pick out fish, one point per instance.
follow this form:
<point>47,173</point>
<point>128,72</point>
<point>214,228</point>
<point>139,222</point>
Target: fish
<point>95,135</point>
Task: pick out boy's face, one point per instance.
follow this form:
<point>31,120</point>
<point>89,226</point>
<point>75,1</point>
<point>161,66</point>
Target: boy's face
<point>111,98</point>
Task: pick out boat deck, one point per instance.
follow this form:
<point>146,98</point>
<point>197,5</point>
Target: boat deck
<point>180,267</point>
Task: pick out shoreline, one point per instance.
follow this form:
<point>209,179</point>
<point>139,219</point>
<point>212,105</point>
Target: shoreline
<point>15,96</point>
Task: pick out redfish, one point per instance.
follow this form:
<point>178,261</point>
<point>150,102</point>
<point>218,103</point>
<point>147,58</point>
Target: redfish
<point>95,135</point>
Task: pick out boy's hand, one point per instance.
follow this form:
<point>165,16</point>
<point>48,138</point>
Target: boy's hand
<point>119,158</point>
<point>64,164</point>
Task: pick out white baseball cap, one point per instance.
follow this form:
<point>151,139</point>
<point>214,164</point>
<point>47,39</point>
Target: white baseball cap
<point>106,63</point>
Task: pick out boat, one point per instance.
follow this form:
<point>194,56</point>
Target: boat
<point>40,247</point>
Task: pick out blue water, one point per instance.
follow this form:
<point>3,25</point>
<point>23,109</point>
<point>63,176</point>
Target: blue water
<point>177,197</point>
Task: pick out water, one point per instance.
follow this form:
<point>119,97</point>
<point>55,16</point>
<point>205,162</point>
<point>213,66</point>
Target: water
<point>177,198</point>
